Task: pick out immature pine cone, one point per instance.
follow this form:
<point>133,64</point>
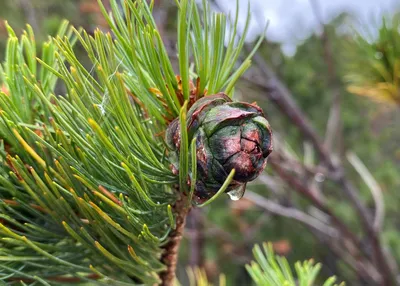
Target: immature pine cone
<point>229,135</point>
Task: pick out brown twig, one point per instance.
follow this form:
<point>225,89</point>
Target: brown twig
<point>290,212</point>
<point>299,186</point>
<point>171,249</point>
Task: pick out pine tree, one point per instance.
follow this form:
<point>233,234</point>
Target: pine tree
<point>100,166</point>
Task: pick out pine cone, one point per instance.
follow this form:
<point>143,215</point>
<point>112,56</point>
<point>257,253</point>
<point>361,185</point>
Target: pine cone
<point>229,135</point>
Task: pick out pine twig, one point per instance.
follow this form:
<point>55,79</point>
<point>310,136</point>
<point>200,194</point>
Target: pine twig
<point>171,249</point>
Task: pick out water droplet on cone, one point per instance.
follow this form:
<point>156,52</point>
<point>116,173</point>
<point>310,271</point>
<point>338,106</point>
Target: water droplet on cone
<point>237,194</point>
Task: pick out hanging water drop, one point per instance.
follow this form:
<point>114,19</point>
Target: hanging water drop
<point>237,194</point>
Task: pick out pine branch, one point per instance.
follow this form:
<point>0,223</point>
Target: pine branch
<point>86,190</point>
<point>269,269</point>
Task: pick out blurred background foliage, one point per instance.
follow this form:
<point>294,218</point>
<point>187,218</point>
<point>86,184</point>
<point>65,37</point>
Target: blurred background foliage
<point>220,237</point>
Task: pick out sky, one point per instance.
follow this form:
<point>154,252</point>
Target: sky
<point>291,21</point>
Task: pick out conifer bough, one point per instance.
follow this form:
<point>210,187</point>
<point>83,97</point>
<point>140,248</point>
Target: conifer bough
<point>229,135</point>
<point>86,193</point>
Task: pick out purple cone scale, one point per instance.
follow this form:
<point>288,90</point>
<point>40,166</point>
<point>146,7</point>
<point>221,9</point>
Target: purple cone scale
<point>229,135</point>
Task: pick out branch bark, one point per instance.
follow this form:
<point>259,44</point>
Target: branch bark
<point>171,249</point>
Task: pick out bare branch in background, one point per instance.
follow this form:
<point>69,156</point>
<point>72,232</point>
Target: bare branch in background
<point>333,135</point>
<point>362,267</point>
<point>297,185</point>
<point>270,182</point>
<point>325,233</point>
<point>279,94</point>
<point>195,225</point>
<point>30,13</point>
<point>160,14</point>
<point>289,212</point>
<point>372,185</point>
<point>377,195</point>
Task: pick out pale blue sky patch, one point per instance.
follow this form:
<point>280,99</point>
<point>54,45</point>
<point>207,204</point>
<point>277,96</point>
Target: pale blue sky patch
<point>292,21</point>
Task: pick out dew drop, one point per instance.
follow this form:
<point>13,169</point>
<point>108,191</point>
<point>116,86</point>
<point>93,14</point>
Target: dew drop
<point>237,194</point>
<point>319,177</point>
